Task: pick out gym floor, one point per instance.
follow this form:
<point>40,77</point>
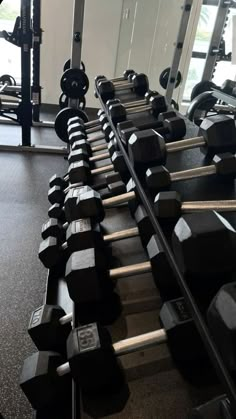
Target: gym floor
<point>157,388</point>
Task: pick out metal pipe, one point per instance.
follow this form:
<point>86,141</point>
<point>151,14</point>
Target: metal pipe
<point>131,270</point>
<point>193,173</point>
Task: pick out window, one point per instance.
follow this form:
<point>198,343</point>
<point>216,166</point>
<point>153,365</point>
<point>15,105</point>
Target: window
<point>10,54</point>
<point>201,45</point>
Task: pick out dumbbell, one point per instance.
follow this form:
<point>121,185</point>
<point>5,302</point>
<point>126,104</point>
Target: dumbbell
<point>93,359</point>
<point>80,173</point>
<point>76,123</point>
<point>77,132</point>
<point>127,75</point>
<point>156,105</point>
<point>148,146</point>
<point>82,234</point>
<point>169,205</point>
<point>87,203</point>
<point>139,84</point>
<point>113,182</point>
<point>223,165</point>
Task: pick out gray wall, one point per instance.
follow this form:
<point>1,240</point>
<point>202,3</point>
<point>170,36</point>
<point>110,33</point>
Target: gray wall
<point>100,41</point>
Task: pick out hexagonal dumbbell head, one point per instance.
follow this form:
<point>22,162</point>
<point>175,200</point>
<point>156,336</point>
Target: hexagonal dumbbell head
<point>219,133</point>
<point>112,146</point>
<point>49,252</point>
<point>79,172</point>
<point>40,382</point>
<point>167,204</point>
<point>118,161</point>
<point>70,202</point>
<point>87,276</point>
<point>225,164</point>
<point>222,323</point>
<point>133,204</point>
<point>204,245</point>
<point>93,361</point>
<point>57,181</point>
<point>176,127</point>
<point>158,104</point>
<point>89,204</point>
<point>56,211</point>
<point>144,225</point>
<point>157,179</point>
<point>77,155</point>
<point>125,130</point>
<point>52,228</point>
<point>83,234</point>
<point>117,113</point>
<point>161,270</point>
<point>56,195</point>
<point>45,328</point>
<point>141,83</point>
<point>82,144</point>
<point>146,149</point>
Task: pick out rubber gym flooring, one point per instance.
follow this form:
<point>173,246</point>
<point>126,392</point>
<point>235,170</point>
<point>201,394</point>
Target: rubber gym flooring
<point>157,389</point>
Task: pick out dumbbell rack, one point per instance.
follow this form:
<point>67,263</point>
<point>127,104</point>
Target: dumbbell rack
<point>56,292</point>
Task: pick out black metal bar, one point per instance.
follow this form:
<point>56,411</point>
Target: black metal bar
<point>214,355</point>
<point>37,40</point>
<point>25,108</point>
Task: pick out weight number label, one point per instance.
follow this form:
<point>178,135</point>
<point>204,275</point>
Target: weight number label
<point>88,338</point>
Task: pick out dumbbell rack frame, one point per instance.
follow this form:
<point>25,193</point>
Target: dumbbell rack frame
<point>210,346</point>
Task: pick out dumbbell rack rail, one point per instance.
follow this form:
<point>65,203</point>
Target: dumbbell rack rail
<point>56,293</point>
<point>213,353</point>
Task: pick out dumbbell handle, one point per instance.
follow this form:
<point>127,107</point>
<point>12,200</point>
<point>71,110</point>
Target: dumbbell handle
<point>3,87</point>
<point>193,173</point>
<point>119,199</point>
<point>118,235</point>
<point>187,144</point>
<point>195,206</point>
<point>98,171</point>
<point>88,124</point>
<point>127,346</point>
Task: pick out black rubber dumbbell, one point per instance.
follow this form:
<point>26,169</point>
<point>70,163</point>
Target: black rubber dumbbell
<point>83,233</point>
<point>138,83</point>
<point>223,165</point>
<point>96,368</point>
<point>169,205</point>
<point>149,148</point>
<point>156,105</point>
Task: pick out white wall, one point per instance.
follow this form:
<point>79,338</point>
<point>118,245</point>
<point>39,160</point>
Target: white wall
<point>100,42</point>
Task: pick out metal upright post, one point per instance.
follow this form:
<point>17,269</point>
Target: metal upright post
<point>216,37</point>
<point>37,40</point>
<point>25,110</point>
<point>77,33</point>
<point>178,49</point>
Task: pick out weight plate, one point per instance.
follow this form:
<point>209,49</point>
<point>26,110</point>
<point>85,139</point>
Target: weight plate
<point>201,87</point>
<point>74,83</point>
<point>164,77</point>
<point>63,117</point>
<point>67,66</point>
<point>6,78</point>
